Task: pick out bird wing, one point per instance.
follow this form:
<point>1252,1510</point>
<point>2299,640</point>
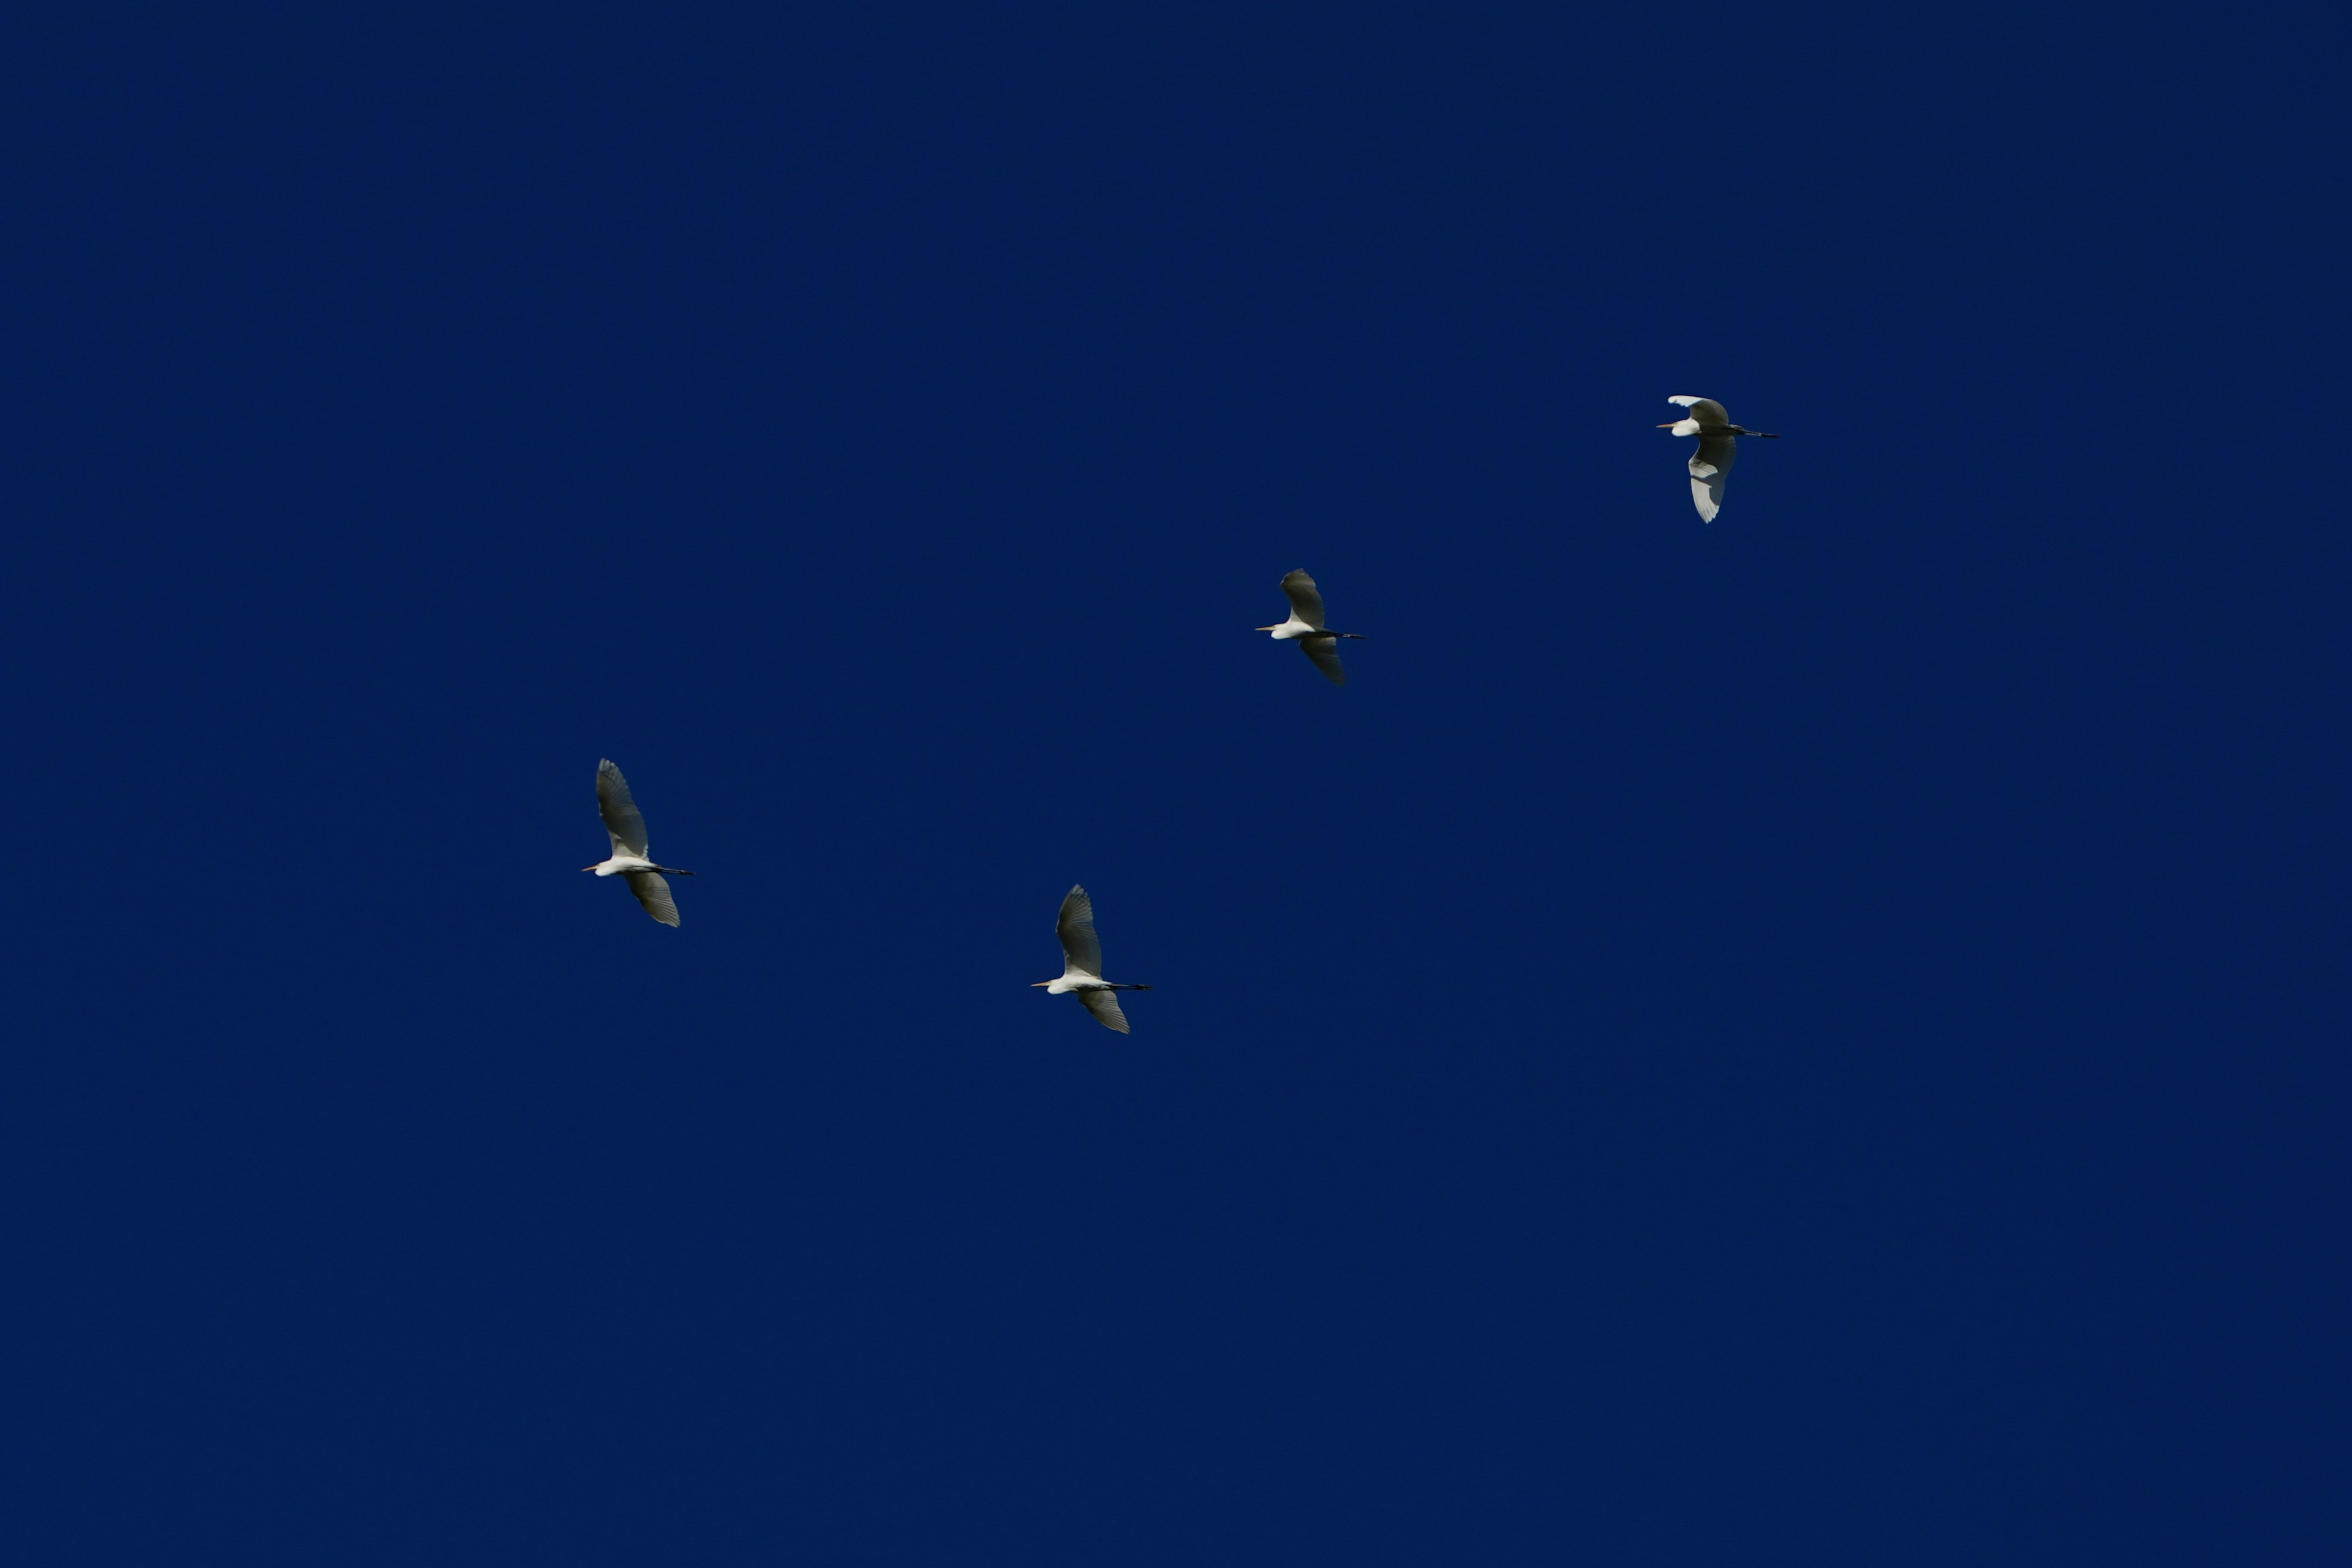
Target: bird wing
<point>1104,1006</point>
<point>1325,652</point>
<point>1706,410</point>
<point>619,812</point>
<point>1707,467</point>
<point>653,891</point>
<point>1305,601</point>
<point>1081,949</point>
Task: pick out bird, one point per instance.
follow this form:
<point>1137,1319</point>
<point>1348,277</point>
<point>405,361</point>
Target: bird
<point>1306,628</point>
<point>1082,963</point>
<point>1717,438</point>
<point>630,857</point>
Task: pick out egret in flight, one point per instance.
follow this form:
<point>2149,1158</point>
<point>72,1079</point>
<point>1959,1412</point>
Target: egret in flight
<point>630,857</point>
<point>1306,628</point>
<point>1082,963</point>
<point>1718,435</point>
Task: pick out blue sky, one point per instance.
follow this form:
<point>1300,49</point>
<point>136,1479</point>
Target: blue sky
<point>1816,1039</point>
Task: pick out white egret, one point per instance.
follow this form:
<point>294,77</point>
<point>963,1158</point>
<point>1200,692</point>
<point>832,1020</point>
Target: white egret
<point>1717,437</point>
<point>1305,628</point>
<point>630,857</point>
<point>1082,963</point>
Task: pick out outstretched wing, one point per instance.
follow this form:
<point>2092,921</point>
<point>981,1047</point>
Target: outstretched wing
<point>1081,949</point>
<point>1707,467</point>
<point>1104,1006</point>
<point>620,812</point>
<point>653,891</point>
<point>1706,410</point>
<point>1305,601</point>
<point>1325,652</point>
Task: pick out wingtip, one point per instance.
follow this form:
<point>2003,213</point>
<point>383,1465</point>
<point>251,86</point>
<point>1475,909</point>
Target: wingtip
<point>1684,399</point>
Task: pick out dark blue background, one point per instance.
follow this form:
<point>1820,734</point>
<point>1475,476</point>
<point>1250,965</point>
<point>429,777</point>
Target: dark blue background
<point>1816,1039</point>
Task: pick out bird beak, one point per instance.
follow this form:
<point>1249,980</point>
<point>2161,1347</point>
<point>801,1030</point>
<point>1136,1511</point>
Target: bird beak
<point>1275,627</point>
<point>1670,425</point>
<point>587,867</point>
<point>1033,985</point>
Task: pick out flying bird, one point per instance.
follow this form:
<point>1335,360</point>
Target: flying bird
<point>1306,628</point>
<point>1718,435</point>
<point>630,857</point>
<point>1082,963</point>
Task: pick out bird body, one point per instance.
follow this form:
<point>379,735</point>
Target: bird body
<point>1717,445</point>
<point>632,859</point>
<point>1306,628</point>
<point>1082,963</point>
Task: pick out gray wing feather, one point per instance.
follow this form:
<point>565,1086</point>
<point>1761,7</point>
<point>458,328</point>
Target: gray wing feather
<point>1304,599</point>
<point>652,890</point>
<point>1325,652</point>
<point>619,811</point>
<point>1708,464</point>
<point>1104,1006</point>
<point>1081,949</point>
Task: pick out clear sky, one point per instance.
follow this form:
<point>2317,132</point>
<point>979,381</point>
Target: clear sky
<point>1815,1040</point>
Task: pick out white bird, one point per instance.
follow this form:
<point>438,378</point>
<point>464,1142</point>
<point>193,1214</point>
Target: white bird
<point>630,857</point>
<point>1306,628</point>
<point>1082,963</point>
<point>1717,438</point>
